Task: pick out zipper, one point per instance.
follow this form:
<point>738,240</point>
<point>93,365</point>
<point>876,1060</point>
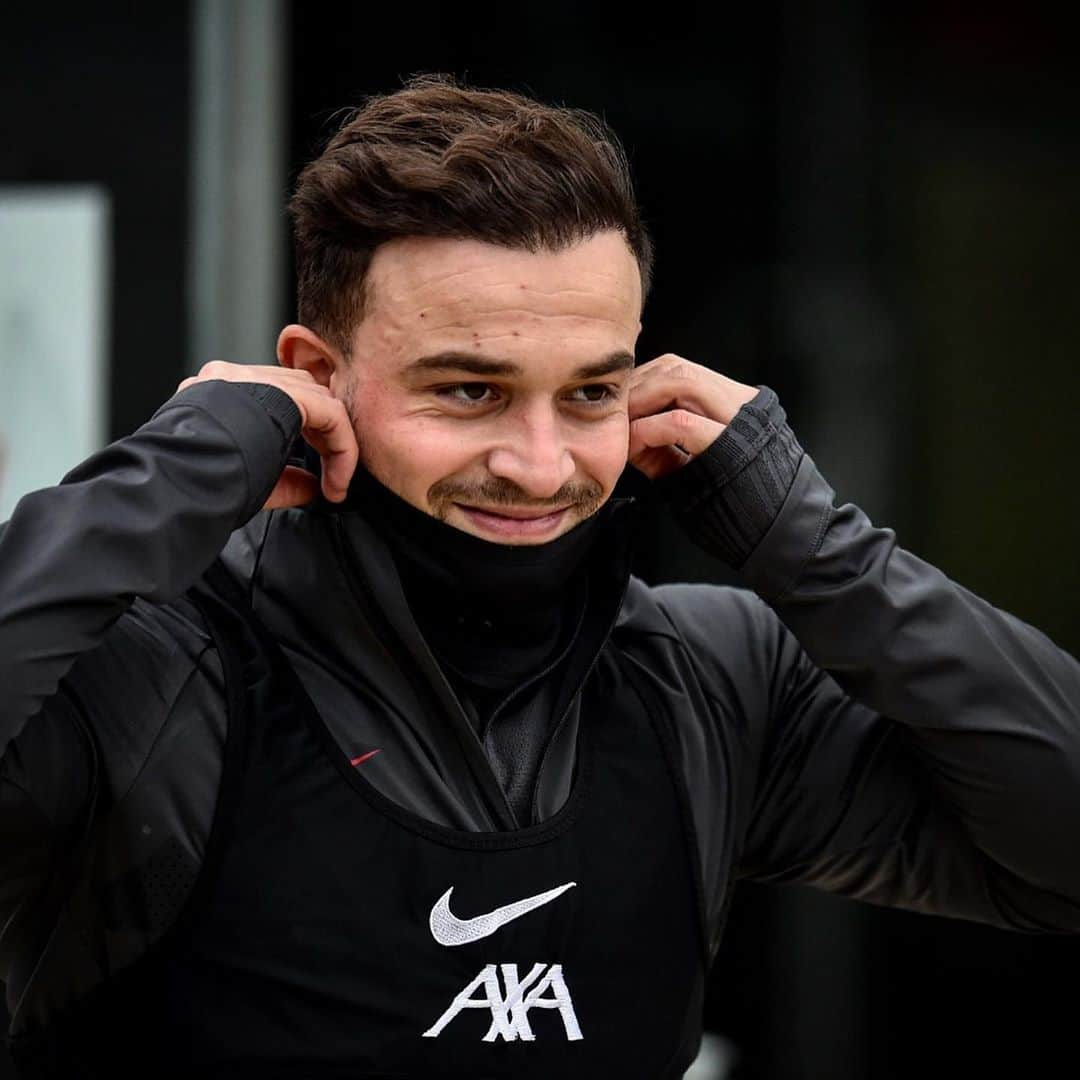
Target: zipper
<point>545,756</point>
<point>492,794</point>
<point>544,672</point>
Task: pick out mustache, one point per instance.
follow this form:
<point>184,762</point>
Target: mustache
<point>494,491</point>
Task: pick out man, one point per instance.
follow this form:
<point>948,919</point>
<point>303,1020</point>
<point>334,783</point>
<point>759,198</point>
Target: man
<point>339,739</point>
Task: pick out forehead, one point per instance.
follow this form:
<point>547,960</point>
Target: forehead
<point>469,292</point>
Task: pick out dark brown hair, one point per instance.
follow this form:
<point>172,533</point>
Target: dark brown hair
<point>438,158</point>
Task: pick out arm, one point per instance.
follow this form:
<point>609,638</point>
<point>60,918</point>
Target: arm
<point>142,518</point>
<point>924,746</point>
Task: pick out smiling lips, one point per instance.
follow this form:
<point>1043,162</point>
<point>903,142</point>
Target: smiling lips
<point>515,513</point>
<point>514,521</point>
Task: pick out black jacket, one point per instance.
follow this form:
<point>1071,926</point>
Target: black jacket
<point>853,720</point>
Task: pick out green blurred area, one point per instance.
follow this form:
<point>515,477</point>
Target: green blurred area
<point>993,249</point>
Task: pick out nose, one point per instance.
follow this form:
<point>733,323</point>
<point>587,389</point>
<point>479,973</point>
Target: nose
<point>534,454</point>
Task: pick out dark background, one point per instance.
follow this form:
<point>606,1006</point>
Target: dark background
<point>874,213</point>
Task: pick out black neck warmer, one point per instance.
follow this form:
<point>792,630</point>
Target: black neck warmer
<point>493,613</point>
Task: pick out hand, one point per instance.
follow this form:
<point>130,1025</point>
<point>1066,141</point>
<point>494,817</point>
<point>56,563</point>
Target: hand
<point>677,410</point>
<point>324,423</point>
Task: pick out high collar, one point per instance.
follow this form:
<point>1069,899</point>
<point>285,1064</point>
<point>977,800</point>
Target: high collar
<point>494,614</point>
<point>600,549</point>
<point>324,581</point>
<point>513,591</point>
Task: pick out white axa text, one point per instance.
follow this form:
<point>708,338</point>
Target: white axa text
<point>510,1010</point>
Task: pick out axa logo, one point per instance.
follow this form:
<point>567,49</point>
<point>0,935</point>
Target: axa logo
<point>543,987</point>
<point>510,1004</point>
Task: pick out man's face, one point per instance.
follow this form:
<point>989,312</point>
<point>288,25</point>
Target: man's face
<point>488,386</point>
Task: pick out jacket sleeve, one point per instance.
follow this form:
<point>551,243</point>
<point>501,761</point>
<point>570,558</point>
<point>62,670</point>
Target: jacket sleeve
<point>142,518</point>
<point>923,746</point>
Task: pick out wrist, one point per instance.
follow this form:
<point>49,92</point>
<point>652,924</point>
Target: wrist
<point>727,497</point>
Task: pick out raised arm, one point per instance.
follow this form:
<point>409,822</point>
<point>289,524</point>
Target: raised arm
<point>144,518</point>
<point>924,746</point>
<point>141,520</point>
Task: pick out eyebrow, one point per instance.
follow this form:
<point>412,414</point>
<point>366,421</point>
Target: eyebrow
<point>478,365</point>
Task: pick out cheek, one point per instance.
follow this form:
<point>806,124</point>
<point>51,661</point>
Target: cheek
<point>601,451</point>
<point>407,454</point>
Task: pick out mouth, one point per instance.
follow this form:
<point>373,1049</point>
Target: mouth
<point>510,522</point>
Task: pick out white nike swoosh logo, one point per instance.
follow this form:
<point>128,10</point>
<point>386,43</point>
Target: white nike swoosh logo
<point>448,929</point>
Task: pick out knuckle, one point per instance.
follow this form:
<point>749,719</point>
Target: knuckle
<point>214,369</point>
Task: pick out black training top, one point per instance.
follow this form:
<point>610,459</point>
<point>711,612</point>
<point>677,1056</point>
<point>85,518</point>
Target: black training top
<point>853,720</point>
<point>381,945</point>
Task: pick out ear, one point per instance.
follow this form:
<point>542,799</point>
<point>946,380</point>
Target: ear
<point>303,349</point>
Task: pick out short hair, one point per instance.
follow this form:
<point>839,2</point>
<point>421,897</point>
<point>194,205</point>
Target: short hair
<point>441,159</point>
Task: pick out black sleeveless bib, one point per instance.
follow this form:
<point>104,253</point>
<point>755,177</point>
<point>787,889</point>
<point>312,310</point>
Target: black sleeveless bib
<point>333,933</point>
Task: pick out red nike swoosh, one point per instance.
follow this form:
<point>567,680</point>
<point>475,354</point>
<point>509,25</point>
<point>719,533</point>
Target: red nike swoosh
<point>362,758</point>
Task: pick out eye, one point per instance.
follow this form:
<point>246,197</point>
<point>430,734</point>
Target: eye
<point>594,394</point>
<point>470,393</point>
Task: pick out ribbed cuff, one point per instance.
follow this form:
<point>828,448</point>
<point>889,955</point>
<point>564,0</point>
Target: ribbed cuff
<point>729,495</point>
<point>244,410</point>
<point>281,408</point>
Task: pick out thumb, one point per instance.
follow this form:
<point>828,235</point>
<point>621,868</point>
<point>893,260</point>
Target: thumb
<point>295,487</point>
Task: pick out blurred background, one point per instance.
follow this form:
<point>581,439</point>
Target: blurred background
<point>873,209</point>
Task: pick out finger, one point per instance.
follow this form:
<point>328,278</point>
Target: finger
<point>678,427</point>
<point>251,373</point>
<point>661,394</point>
<point>295,487</point>
<point>681,387</point>
<point>670,382</point>
<point>659,461</point>
<point>658,364</point>
<point>328,428</point>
